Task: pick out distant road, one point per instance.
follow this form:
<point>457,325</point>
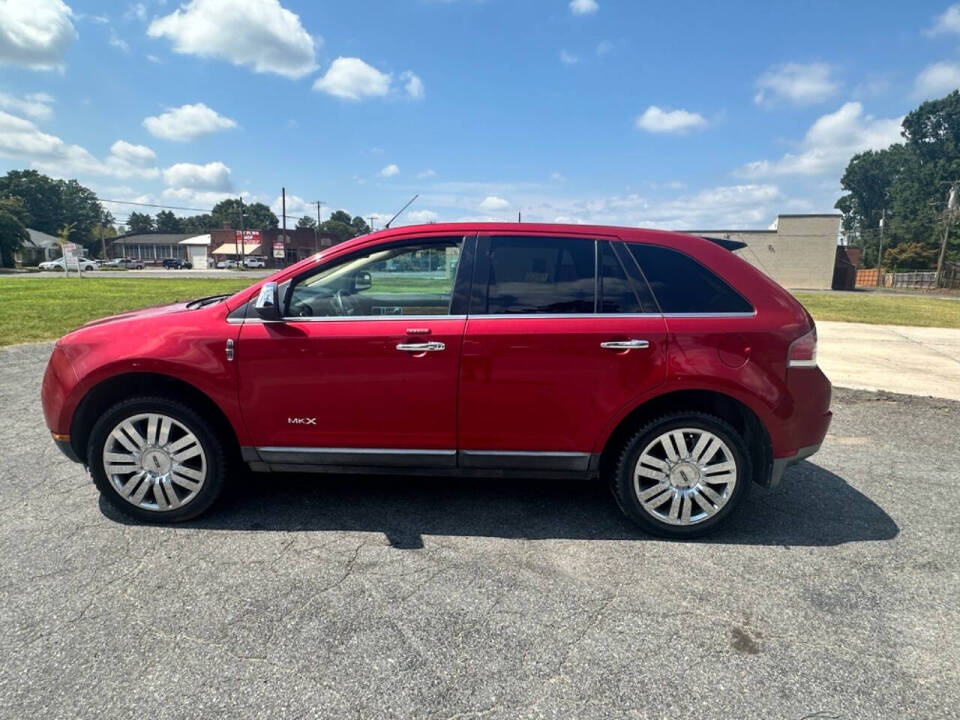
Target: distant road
<point>253,275</point>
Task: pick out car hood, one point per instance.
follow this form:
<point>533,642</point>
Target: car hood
<point>138,314</point>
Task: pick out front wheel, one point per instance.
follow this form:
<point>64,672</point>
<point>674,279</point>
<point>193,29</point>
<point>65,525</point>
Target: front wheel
<point>156,459</point>
<point>682,475</point>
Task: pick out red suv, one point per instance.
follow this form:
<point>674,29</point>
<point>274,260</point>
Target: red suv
<point>660,363</point>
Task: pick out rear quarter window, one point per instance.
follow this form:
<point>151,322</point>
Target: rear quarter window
<point>684,286</point>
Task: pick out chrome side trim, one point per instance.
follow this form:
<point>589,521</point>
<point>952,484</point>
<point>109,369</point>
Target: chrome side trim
<point>524,460</point>
<point>518,316</point>
<point>386,457</point>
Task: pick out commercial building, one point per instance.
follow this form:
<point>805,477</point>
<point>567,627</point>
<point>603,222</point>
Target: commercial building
<point>149,247</point>
<point>797,251</point>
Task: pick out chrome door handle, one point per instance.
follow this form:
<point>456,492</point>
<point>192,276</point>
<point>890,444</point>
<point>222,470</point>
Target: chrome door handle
<point>422,347</point>
<point>625,345</point>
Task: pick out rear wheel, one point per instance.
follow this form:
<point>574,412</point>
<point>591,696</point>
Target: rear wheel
<point>682,475</point>
<point>156,459</point>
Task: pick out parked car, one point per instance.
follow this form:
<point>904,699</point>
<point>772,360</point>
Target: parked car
<point>176,264</point>
<point>85,264</point>
<point>126,263</point>
<point>660,363</point>
<point>227,264</point>
<point>253,261</point>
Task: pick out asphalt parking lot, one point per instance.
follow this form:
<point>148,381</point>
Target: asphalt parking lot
<point>833,596</point>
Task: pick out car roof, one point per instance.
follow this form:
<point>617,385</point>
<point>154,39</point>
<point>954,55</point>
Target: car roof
<point>521,227</point>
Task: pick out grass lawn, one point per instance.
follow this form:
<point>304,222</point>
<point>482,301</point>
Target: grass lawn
<point>34,309</point>
<point>877,309</point>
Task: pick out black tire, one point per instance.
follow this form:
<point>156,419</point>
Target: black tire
<point>622,481</point>
<point>212,445</point>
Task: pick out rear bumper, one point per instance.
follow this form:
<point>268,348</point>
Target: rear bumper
<point>781,464</point>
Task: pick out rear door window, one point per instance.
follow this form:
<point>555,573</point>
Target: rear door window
<point>684,286</point>
<point>536,275</point>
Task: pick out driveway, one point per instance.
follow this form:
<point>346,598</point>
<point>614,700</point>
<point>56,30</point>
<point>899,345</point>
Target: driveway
<point>914,360</point>
<point>834,595</point>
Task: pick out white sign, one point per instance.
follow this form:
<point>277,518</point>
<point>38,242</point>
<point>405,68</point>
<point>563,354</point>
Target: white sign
<point>278,250</point>
<point>70,259</point>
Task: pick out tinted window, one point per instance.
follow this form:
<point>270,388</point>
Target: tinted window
<point>385,280</point>
<point>682,285</point>
<point>616,290</point>
<point>538,275</point>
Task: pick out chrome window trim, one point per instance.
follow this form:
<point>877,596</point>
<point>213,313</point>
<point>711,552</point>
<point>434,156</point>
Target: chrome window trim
<point>526,453</point>
<point>712,315</point>
<point>517,316</point>
<point>346,318</point>
<point>573,316</point>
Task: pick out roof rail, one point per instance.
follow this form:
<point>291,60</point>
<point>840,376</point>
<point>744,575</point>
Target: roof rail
<point>726,243</point>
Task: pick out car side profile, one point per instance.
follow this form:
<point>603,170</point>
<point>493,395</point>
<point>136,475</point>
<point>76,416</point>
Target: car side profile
<point>60,264</point>
<point>660,363</point>
<point>176,264</point>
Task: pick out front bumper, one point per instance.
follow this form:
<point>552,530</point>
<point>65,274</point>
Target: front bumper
<point>67,449</point>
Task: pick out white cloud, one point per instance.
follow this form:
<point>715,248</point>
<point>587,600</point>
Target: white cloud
<point>118,42</point>
<point>830,143</point>
<point>212,176</point>
<point>259,34</point>
<point>389,171</point>
<point>796,83</point>
<point>568,58</point>
<point>352,79</point>
<point>297,207</point>
<point>492,203</point>
<point>584,7</point>
<point>133,154</point>
<point>197,198</point>
<point>937,80</point>
<point>657,120</point>
<point>20,139</point>
<point>136,11</point>
<point>424,174</point>
<point>35,33</point>
<point>413,85</point>
<point>187,122</point>
<point>948,22</point>
<point>417,217</point>
<point>33,105</point>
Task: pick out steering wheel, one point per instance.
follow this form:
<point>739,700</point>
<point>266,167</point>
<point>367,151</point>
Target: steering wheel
<point>340,305</point>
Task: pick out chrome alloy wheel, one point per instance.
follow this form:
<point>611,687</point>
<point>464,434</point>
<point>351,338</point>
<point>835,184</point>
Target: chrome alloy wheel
<point>154,462</point>
<point>685,476</point>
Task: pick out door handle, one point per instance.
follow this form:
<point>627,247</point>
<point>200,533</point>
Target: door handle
<point>625,345</point>
<point>422,347</point>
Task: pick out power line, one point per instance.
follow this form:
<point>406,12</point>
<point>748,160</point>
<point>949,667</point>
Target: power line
<point>162,207</point>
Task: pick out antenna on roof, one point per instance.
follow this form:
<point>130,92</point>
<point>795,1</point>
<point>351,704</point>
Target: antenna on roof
<point>519,217</point>
<point>387,226</point>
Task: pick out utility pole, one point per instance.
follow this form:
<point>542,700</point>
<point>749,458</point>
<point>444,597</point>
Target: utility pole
<point>948,215</point>
<point>103,245</point>
<point>242,248</point>
<point>883,222</point>
<point>371,218</point>
<point>283,210</point>
<point>316,230</point>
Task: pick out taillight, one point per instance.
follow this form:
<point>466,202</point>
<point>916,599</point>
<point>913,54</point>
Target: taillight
<point>803,351</point>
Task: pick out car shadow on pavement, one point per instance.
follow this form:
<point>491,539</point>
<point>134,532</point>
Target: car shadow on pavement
<point>811,507</point>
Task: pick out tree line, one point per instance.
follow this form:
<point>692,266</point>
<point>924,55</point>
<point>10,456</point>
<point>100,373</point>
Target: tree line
<point>907,186</point>
<point>67,209</point>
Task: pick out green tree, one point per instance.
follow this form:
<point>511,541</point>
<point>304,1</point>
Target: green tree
<point>306,222</point>
<point>256,216</point>
<point>910,256</point>
<point>139,223</point>
<point>167,222</point>
<point>14,219</point>
<point>199,224</point>
<point>340,216</point>
<point>360,225</point>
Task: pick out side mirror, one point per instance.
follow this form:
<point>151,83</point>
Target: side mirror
<point>268,302</point>
<point>363,280</point>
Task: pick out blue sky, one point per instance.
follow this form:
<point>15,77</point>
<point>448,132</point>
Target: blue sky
<point>676,115</point>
